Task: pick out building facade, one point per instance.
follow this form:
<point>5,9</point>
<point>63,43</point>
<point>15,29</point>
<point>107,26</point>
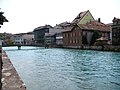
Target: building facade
<point>116,31</point>
<point>95,30</point>
<point>83,18</point>
<point>23,38</point>
<point>86,34</point>
<point>72,37</point>
<point>39,34</point>
<point>59,39</point>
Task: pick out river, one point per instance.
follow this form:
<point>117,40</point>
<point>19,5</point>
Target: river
<point>66,69</point>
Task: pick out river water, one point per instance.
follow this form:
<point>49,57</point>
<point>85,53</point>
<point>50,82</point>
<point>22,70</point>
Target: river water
<point>66,69</point>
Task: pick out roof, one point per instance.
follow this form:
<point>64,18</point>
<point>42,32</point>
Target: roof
<point>79,16</point>
<point>69,28</point>
<point>41,27</point>
<point>116,19</point>
<point>54,31</point>
<point>62,25</point>
<point>95,25</point>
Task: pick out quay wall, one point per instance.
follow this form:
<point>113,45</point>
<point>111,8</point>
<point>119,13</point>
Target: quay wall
<point>100,48</point>
<point>10,78</point>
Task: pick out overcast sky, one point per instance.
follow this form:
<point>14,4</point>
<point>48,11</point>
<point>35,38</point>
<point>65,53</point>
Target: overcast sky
<point>25,15</point>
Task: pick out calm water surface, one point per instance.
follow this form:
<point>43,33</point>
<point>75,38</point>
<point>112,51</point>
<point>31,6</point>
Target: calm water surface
<point>66,69</point>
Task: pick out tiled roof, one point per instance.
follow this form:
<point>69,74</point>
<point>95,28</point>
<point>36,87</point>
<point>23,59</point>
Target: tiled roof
<point>95,25</point>
<point>53,31</point>
<point>41,27</point>
<point>69,28</point>
<point>62,25</point>
<point>79,17</point>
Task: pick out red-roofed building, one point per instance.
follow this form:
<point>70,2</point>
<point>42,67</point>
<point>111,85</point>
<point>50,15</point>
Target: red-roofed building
<point>86,34</point>
<point>83,18</point>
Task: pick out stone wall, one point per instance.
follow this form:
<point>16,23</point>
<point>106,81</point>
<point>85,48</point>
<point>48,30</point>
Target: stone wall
<point>102,48</point>
<point>0,67</point>
<point>10,78</point>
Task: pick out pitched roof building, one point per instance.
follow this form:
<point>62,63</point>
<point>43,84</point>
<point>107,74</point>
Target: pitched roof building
<point>95,25</point>
<point>84,33</point>
<point>83,17</point>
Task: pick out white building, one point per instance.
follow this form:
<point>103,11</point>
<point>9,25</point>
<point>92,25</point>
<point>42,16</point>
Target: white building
<point>23,38</point>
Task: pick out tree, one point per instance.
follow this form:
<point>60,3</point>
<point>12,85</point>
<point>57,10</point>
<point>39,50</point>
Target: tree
<point>96,35</point>
<point>2,18</point>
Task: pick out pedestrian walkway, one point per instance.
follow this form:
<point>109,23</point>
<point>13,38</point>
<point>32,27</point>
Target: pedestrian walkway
<point>10,77</point>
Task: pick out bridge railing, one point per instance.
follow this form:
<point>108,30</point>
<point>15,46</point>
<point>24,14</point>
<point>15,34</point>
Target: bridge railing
<point>8,45</point>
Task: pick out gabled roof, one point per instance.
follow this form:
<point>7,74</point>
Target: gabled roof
<point>95,25</point>
<point>80,16</point>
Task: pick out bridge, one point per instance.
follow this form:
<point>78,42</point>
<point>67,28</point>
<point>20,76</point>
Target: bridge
<point>19,45</point>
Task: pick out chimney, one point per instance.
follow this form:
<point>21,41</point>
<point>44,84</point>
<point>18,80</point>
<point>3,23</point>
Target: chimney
<point>99,20</point>
<point>114,19</point>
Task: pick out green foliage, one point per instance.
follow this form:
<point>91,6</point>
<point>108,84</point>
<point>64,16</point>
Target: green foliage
<point>1,35</point>
<point>96,35</point>
<point>2,18</point>
<point>84,39</point>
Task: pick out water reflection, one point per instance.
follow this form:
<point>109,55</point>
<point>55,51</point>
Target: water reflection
<point>66,69</point>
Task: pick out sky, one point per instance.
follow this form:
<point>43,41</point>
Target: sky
<point>25,15</point>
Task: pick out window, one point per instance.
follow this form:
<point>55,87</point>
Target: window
<point>76,40</point>
<point>70,41</point>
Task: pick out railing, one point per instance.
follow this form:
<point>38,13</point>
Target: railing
<point>9,45</point>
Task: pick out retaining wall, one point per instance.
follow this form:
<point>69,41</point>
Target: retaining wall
<point>102,48</point>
